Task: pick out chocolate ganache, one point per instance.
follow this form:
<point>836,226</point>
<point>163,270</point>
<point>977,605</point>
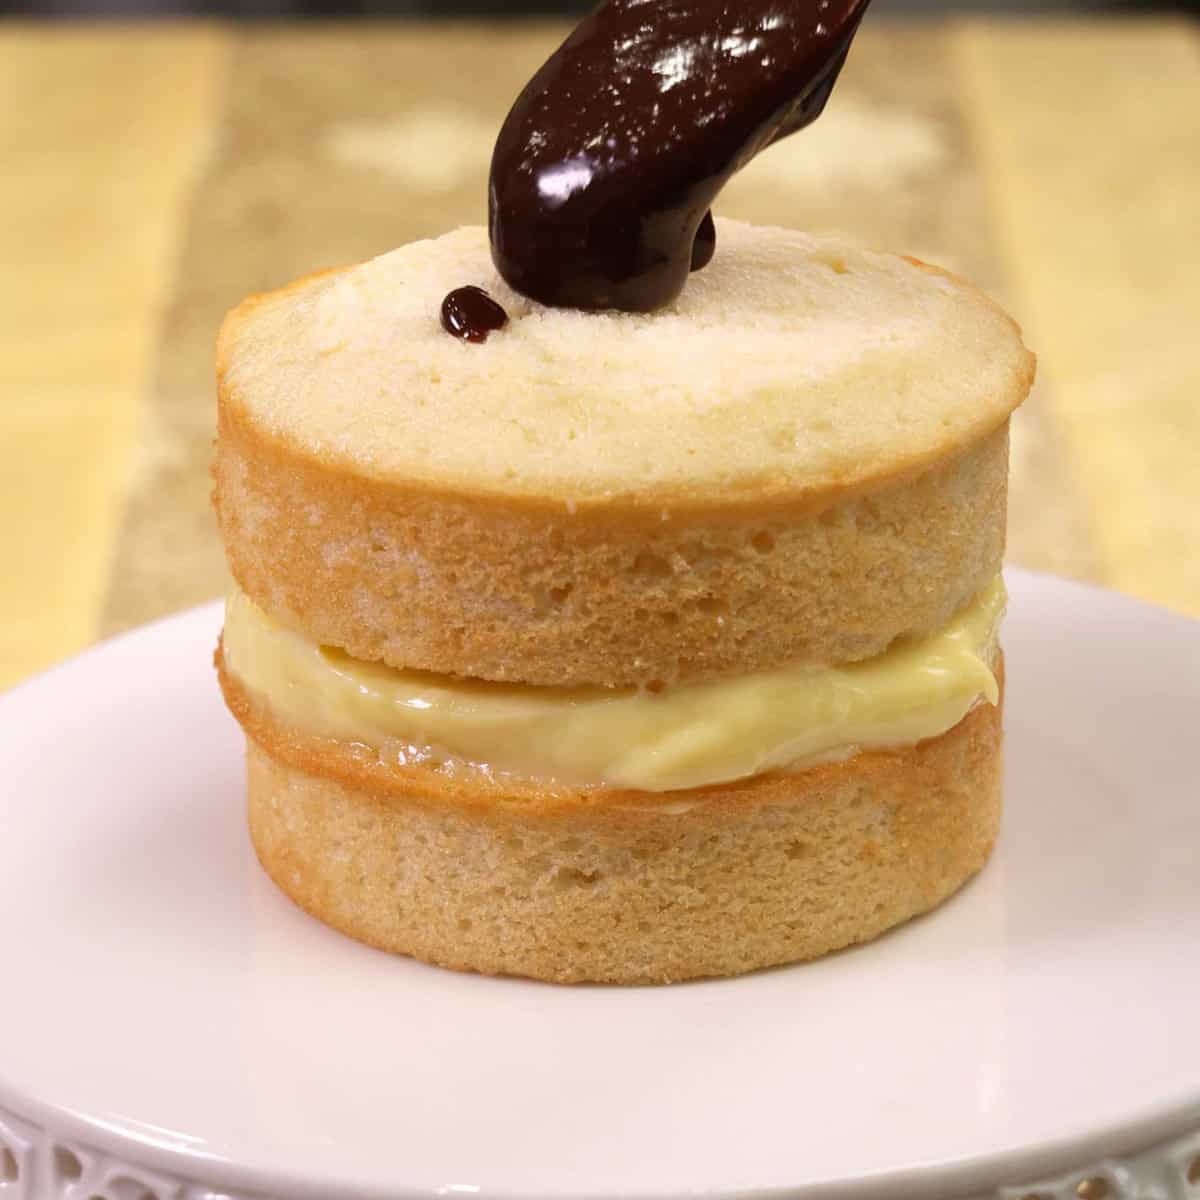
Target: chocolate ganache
<point>606,168</point>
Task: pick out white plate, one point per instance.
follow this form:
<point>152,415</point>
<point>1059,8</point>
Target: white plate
<point>162,1004</point>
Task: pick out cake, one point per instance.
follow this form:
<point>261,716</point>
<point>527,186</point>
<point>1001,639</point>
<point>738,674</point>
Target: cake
<point>626,647</point>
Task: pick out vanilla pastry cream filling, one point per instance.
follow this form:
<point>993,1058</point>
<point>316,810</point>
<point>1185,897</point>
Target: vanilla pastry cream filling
<point>681,737</point>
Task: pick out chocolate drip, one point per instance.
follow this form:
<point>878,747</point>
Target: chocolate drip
<point>704,245</point>
<point>608,164</point>
<point>471,314</point>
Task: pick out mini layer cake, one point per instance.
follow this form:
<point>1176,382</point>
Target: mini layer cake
<point>623,647</point>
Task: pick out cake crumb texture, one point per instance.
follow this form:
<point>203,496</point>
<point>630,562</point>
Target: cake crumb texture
<point>718,881</point>
<point>790,364</point>
<point>528,594</point>
<point>799,461</point>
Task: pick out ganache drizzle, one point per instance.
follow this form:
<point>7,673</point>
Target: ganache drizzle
<point>606,169</point>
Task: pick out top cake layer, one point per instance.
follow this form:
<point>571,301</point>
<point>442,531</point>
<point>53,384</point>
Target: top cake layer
<point>789,366</point>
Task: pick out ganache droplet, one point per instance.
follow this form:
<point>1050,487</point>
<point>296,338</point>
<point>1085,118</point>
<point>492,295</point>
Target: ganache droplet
<point>471,314</point>
<point>705,245</point>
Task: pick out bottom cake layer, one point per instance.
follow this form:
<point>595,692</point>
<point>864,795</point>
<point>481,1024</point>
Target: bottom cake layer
<point>624,887</point>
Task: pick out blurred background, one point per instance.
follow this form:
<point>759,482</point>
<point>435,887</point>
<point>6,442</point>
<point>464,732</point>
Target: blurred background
<point>156,170</point>
<point>499,8</point>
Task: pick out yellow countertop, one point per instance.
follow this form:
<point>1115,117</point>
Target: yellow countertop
<point>155,174</point>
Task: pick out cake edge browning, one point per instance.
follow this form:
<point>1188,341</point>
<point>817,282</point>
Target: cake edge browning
<point>485,589</point>
<point>503,878</point>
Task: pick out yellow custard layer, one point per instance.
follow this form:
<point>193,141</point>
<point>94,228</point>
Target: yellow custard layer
<point>681,737</point>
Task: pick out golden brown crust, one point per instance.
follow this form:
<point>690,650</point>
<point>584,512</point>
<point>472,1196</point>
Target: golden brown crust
<point>538,594</point>
<point>621,887</point>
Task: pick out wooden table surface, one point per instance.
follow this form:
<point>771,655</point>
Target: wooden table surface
<point>155,174</point>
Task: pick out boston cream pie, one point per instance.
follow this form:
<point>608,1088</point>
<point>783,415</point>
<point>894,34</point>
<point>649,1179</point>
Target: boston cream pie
<point>627,646</point>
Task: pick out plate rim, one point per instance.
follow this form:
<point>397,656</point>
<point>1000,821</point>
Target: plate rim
<point>1172,1118</point>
